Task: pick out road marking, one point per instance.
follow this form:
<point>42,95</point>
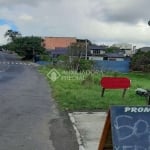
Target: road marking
<point>15,63</point>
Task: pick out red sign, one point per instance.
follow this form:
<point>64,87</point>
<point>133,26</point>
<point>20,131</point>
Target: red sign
<point>115,83</point>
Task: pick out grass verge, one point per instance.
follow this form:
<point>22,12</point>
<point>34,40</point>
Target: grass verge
<point>82,91</point>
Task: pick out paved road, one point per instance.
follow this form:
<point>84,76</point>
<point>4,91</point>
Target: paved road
<point>29,118</point>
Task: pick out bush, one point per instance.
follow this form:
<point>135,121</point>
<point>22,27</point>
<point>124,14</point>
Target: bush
<point>81,64</point>
<point>141,62</point>
<point>45,57</point>
<point>85,65</point>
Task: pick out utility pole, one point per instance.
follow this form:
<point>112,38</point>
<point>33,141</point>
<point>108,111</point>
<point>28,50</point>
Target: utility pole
<point>86,49</point>
<point>33,53</point>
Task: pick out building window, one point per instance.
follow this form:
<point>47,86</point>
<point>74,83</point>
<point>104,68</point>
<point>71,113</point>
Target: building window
<point>105,58</point>
<point>97,52</point>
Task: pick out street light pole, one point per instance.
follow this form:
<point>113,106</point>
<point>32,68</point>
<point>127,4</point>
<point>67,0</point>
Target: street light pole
<point>33,54</point>
<point>86,49</point>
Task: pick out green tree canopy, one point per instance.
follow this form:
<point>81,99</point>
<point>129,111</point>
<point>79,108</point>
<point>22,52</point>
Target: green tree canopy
<point>77,53</point>
<point>141,61</point>
<point>27,46</point>
<point>112,49</point>
<point>12,35</point>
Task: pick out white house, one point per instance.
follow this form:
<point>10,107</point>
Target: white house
<point>129,49</point>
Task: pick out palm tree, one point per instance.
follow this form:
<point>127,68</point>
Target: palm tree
<point>12,35</point>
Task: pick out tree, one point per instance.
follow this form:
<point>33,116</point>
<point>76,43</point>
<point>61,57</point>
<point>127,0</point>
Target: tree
<point>27,47</point>
<point>77,49</point>
<point>12,35</point>
<point>112,49</point>
<point>77,53</point>
<point>141,62</point>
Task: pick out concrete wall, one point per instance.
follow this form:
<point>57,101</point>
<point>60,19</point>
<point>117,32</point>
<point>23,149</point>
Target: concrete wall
<point>95,58</point>
<point>50,43</point>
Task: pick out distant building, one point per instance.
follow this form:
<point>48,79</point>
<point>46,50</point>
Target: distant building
<point>123,46</point>
<point>84,41</point>
<point>96,50</point>
<point>58,51</point>
<point>109,57</point>
<point>96,58</point>
<point>114,57</point>
<point>127,48</point>
<point>51,43</point>
<point>144,49</point>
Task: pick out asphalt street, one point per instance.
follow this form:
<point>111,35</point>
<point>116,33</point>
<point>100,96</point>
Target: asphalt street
<point>29,117</point>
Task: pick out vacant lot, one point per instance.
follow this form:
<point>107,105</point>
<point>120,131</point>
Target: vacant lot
<point>81,91</point>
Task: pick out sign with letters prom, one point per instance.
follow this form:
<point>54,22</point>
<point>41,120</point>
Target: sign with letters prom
<point>129,127</point>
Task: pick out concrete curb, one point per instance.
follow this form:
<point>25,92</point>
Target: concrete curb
<point>78,135</point>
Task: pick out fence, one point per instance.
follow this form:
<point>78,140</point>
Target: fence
<point>115,66</point>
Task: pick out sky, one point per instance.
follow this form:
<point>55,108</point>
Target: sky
<point>101,21</point>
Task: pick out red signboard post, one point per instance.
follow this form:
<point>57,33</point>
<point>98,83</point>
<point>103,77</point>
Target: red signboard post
<point>115,83</point>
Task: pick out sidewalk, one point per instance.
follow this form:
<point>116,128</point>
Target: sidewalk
<point>88,127</point>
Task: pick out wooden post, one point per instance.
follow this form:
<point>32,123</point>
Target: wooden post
<point>103,90</point>
<point>124,92</point>
<point>148,99</point>
<point>105,142</point>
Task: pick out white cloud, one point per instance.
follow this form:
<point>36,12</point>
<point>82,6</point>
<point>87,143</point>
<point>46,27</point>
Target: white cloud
<point>102,21</point>
<point>127,11</point>
<point>25,17</point>
<point>3,29</point>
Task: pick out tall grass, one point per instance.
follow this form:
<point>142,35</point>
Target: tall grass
<point>85,94</point>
